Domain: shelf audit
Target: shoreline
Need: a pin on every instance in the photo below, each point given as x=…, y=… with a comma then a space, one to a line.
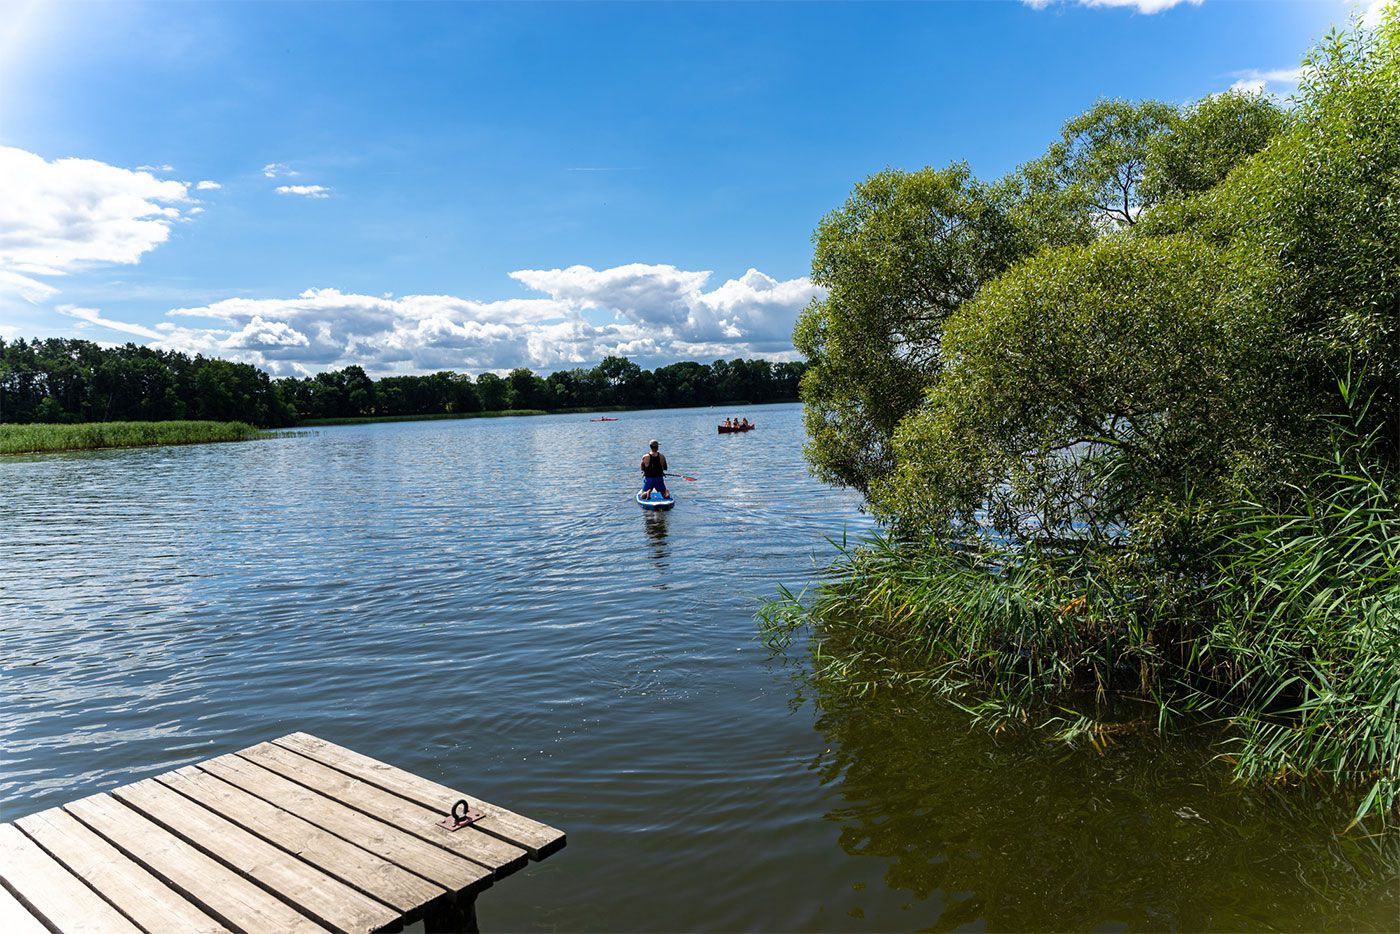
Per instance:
x=57, y=437
x=51, y=438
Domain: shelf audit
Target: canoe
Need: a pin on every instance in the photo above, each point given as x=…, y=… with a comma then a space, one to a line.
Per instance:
x=732, y=429
x=654, y=503
x=602, y=419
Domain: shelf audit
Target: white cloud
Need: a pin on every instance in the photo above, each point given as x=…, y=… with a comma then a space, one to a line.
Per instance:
x=207, y=185
x=659, y=313
x=1274, y=80
x=62, y=216
x=26, y=287
x=1142, y=6
x=1375, y=10
x=93, y=316
x=167, y=167
x=753, y=308
x=278, y=170
x=305, y=191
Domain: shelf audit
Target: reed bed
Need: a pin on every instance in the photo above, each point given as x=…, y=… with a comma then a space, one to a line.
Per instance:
x=43, y=437
x=1282, y=634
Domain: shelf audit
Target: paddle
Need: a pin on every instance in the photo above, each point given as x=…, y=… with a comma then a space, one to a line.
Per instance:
x=681, y=476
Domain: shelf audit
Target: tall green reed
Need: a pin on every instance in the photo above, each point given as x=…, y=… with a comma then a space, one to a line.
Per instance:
x=1282, y=628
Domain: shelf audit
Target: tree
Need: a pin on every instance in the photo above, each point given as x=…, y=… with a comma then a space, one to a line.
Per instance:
x=1103, y=154
x=901, y=255
x=1093, y=388
x=1192, y=360
x=529, y=391
x=618, y=374
x=495, y=393
x=1207, y=141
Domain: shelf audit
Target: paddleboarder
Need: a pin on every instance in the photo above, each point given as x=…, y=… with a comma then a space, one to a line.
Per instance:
x=654, y=471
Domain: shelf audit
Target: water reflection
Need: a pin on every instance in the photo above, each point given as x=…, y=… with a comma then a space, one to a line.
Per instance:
x=1016, y=834
x=655, y=522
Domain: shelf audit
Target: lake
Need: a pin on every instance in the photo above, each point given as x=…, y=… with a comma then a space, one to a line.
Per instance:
x=482, y=602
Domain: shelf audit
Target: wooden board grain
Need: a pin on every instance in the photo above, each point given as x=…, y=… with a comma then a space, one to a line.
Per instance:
x=223, y=893
x=295, y=881
x=143, y=898
x=298, y=833
x=538, y=839
x=53, y=893
x=501, y=857
x=454, y=873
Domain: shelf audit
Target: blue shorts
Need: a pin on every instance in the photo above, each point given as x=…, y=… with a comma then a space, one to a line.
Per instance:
x=653, y=483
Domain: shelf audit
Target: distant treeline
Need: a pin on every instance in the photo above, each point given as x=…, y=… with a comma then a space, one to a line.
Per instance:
x=62, y=380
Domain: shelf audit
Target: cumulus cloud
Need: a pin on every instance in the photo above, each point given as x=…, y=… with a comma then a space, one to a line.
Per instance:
x=754, y=308
x=1142, y=6
x=654, y=313
x=305, y=191
x=278, y=170
x=207, y=185
x=69, y=214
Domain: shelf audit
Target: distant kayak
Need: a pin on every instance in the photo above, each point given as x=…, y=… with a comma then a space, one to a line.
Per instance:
x=732, y=429
x=602, y=419
x=644, y=500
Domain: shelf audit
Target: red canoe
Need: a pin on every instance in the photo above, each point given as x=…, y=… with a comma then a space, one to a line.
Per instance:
x=731, y=429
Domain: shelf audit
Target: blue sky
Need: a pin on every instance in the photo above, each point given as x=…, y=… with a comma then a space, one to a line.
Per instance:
x=483, y=186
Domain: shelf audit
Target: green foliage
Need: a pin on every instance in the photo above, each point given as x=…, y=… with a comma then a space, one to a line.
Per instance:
x=59, y=380
x=1316, y=218
x=1289, y=634
x=66, y=381
x=1122, y=482
x=1090, y=384
x=36, y=438
x=1306, y=641
x=1206, y=141
x=903, y=253
x=1103, y=154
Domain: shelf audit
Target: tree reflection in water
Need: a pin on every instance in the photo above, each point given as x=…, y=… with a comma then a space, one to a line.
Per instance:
x=1014, y=833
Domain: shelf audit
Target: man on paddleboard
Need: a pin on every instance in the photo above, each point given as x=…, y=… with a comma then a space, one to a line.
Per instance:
x=654, y=471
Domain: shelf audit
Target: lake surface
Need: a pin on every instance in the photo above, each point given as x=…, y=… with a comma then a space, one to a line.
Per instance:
x=482, y=602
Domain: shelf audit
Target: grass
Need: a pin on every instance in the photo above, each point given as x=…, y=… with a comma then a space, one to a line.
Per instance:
x=39, y=438
x=1284, y=634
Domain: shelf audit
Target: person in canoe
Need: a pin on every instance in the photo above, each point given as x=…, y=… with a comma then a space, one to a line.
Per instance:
x=654, y=471
x=728, y=423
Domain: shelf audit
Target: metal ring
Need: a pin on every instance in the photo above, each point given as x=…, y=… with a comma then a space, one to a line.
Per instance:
x=465, y=809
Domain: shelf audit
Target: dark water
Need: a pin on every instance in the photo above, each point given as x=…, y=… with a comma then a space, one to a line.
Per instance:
x=482, y=602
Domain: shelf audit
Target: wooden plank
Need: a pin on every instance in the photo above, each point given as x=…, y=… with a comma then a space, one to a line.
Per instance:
x=50, y=891
x=17, y=919
x=226, y=895
x=140, y=896
x=356, y=867
x=448, y=870
x=539, y=840
x=296, y=882
x=497, y=855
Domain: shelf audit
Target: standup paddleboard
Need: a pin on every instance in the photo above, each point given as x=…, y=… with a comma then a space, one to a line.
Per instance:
x=654, y=503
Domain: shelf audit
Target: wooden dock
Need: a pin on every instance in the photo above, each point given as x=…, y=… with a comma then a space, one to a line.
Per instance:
x=297, y=834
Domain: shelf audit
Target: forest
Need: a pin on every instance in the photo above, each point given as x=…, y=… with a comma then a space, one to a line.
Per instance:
x=60, y=380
